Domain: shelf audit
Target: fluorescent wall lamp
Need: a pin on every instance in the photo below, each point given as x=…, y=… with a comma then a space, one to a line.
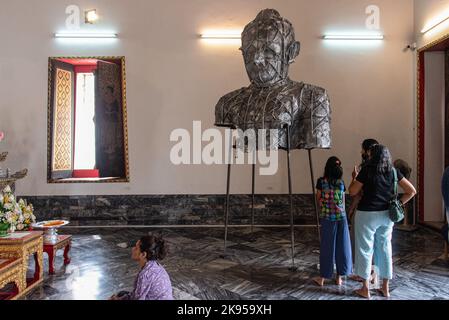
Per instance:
x=354, y=37
x=220, y=36
x=434, y=25
x=86, y=35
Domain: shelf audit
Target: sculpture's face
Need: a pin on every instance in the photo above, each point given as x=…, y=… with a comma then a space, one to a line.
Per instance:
x=264, y=55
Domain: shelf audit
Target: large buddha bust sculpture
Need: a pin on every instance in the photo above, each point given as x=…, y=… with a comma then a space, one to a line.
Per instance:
x=273, y=101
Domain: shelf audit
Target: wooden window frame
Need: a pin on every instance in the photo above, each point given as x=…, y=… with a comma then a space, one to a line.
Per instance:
x=51, y=180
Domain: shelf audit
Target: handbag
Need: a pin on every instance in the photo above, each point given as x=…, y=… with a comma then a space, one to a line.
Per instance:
x=396, y=209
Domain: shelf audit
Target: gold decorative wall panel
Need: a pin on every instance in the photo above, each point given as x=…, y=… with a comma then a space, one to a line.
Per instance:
x=62, y=140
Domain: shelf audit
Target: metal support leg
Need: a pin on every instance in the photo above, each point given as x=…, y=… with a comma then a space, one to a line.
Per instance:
x=315, y=204
x=290, y=192
x=228, y=186
x=253, y=197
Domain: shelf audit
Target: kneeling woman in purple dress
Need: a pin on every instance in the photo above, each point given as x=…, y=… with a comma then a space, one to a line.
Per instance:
x=153, y=282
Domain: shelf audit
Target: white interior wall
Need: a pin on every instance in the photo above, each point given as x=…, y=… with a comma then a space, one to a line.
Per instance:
x=173, y=78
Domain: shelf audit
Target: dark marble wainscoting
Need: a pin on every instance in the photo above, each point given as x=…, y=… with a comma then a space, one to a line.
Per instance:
x=172, y=209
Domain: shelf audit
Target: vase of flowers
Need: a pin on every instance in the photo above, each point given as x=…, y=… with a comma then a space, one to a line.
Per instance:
x=28, y=218
x=18, y=215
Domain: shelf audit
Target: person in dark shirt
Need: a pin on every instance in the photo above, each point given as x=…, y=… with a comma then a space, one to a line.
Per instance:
x=367, y=144
x=373, y=227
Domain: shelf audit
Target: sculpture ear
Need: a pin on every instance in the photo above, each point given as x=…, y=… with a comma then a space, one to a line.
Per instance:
x=293, y=51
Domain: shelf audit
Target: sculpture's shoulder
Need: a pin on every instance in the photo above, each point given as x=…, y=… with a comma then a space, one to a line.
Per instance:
x=311, y=96
x=232, y=96
x=309, y=89
x=313, y=130
x=228, y=106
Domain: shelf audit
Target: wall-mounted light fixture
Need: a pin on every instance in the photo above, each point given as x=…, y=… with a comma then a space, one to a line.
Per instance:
x=354, y=37
x=221, y=34
x=91, y=16
x=434, y=24
x=222, y=37
x=86, y=35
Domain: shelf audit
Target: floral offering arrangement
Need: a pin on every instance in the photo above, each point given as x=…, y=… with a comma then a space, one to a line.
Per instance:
x=19, y=215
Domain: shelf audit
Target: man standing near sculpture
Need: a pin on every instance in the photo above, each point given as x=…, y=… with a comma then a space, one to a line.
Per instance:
x=299, y=111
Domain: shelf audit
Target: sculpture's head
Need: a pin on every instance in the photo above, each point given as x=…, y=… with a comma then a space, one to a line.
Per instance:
x=269, y=47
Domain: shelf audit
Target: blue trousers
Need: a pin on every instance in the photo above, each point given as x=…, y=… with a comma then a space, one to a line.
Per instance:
x=373, y=231
x=335, y=248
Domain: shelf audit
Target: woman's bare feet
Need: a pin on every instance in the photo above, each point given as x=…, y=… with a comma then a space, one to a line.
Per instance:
x=385, y=290
x=319, y=281
x=383, y=293
x=364, y=291
x=339, y=281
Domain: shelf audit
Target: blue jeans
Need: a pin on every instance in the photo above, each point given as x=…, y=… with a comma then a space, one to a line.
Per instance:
x=373, y=231
x=335, y=248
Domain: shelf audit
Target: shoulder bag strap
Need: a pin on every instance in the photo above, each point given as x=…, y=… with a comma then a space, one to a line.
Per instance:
x=395, y=183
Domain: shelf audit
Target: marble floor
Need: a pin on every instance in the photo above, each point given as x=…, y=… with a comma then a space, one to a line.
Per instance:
x=256, y=267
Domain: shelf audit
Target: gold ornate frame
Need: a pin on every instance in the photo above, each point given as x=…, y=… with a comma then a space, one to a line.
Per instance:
x=419, y=125
x=125, y=120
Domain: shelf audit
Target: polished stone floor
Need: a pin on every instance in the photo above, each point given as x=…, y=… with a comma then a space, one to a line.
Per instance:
x=256, y=267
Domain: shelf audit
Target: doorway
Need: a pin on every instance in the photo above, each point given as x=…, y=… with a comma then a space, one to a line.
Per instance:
x=433, y=130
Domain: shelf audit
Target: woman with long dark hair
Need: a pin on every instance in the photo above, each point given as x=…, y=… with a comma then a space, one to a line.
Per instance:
x=373, y=226
x=153, y=282
x=335, y=248
x=367, y=144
